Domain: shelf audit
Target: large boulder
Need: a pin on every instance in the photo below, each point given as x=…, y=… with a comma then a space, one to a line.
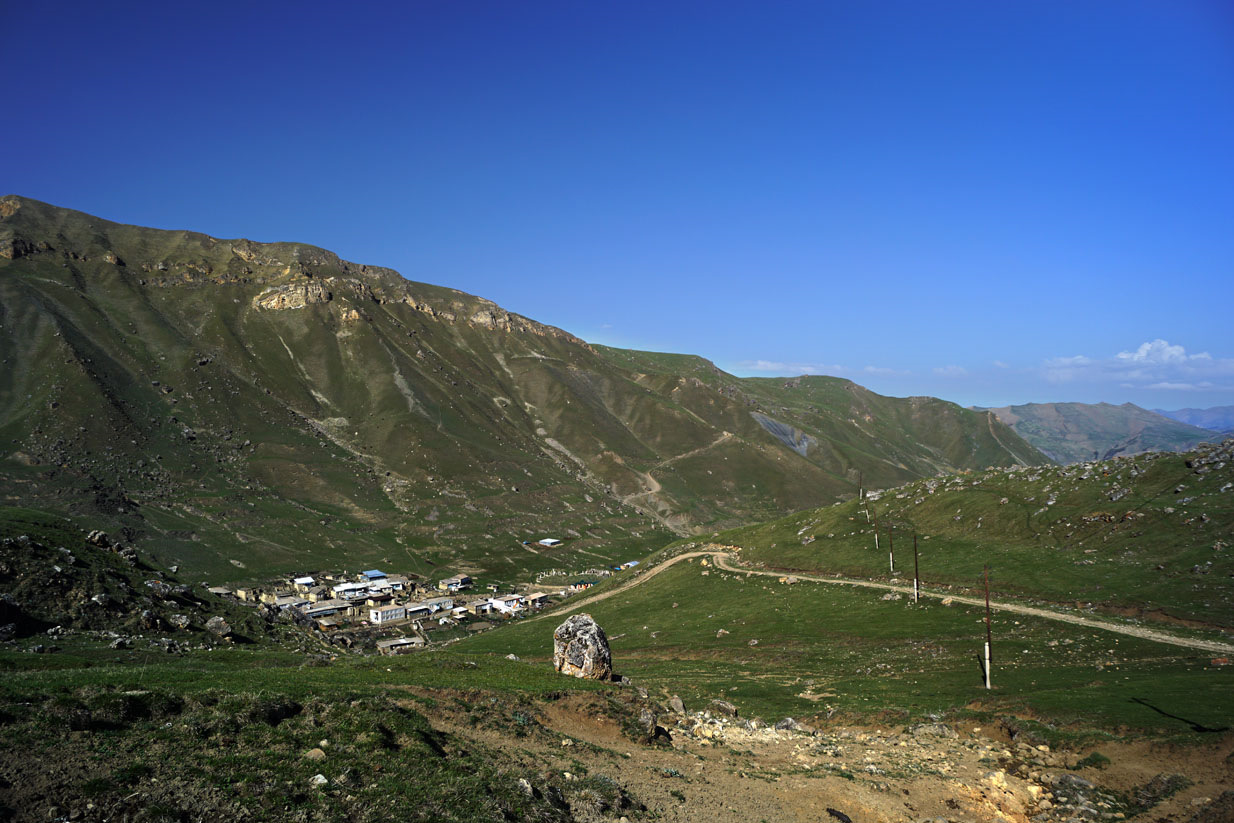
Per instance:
x=580, y=648
x=219, y=626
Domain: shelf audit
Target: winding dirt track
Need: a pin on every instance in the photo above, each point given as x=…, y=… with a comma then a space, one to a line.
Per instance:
x=723, y=557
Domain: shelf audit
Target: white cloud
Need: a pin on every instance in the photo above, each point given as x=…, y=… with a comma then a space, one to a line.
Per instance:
x=1181, y=386
x=1160, y=352
x=998, y=364
x=951, y=371
x=780, y=368
x=1156, y=364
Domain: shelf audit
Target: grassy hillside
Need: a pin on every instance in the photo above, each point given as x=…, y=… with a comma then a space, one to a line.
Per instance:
x=1141, y=540
x=1074, y=432
x=1147, y=535
x=820, y=653
x=243, y=409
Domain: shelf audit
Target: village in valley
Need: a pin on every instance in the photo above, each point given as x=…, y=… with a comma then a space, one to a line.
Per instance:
x=396, y=613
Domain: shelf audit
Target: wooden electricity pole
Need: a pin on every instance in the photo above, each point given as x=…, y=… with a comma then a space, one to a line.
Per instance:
x=988, y=635
x=875, y=511
x=916, y=570
x=892, y=547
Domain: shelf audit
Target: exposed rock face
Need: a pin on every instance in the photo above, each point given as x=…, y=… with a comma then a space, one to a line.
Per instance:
x=292, y=296
x=580, y=648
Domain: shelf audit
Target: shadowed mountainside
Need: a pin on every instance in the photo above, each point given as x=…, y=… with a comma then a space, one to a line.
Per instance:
x=246, y=408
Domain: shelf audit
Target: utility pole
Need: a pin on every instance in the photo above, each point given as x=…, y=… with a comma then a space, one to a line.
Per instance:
x=916, y=569
x=861, y=486
x=988, y=636
x=892, y=547
x=871, y=508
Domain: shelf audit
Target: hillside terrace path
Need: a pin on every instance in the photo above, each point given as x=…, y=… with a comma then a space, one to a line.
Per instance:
x=722, y=556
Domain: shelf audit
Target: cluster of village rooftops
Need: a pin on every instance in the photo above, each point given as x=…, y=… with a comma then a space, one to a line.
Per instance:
x=375, y=598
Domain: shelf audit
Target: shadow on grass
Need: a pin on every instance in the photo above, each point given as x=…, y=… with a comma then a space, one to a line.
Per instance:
x=1195, y=727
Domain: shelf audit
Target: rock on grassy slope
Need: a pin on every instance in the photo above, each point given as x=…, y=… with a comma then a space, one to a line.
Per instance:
x=269, y=404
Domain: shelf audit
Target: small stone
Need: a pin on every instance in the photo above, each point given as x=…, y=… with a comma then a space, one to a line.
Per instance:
x=315, y=754
x=318, y=780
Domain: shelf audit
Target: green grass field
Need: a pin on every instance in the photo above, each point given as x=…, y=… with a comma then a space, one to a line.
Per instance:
x=831, y=651
x=1164, y=544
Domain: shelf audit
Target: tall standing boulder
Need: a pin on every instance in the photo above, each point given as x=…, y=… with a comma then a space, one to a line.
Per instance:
x=580, y=648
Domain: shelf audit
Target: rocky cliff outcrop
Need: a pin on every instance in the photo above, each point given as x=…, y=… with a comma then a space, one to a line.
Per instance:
x=292, y=296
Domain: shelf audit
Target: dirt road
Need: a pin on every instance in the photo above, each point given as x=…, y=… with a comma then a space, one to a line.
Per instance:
x=723, y=558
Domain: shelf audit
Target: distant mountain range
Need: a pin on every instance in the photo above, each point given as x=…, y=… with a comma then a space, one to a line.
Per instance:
x=1075, y=432
x=244, y=408
x=1218, y=418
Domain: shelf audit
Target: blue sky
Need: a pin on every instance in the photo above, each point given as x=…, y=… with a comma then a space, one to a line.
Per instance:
x=991, y=202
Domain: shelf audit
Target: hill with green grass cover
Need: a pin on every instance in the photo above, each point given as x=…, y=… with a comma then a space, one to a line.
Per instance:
x=1143, y=542
x=245, y=409
x=1074, y=432
x=1150, y=535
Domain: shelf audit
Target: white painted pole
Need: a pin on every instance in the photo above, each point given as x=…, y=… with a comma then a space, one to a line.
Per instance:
x=876, y=540
x=987, y=665
x=891, y=561
x=914, y=590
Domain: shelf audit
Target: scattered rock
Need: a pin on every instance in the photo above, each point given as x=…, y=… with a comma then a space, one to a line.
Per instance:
x=179, y=621
x=315, y=754
x=219, y=626
x=931, y=730
x=724, y=708
x=676, y=705
x=580, y=649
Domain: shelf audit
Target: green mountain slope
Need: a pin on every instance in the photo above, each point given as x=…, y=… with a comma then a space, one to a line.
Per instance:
x=1072, y=432
x=1148, y=535
x=246, y=408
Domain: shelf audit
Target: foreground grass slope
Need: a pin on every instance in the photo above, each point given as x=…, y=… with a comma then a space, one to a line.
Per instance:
x=819, y=652
x=1137, y=539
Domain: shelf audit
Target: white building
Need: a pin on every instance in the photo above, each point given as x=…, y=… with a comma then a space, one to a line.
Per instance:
x=385, y=614
x=350, y=591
